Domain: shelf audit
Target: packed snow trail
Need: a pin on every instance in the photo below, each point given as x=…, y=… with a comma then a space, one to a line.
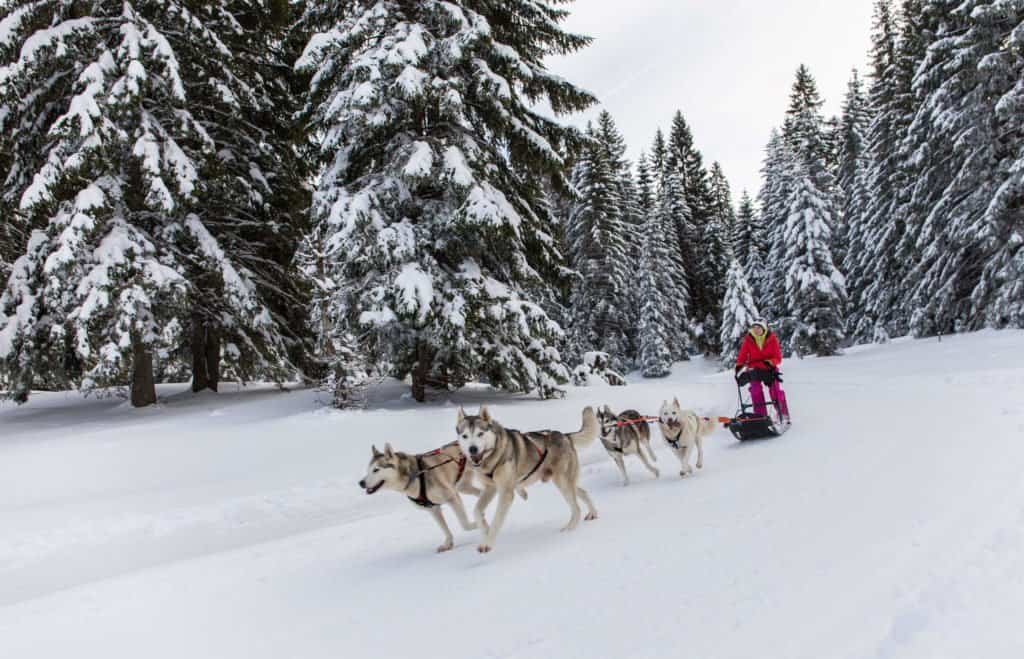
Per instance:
x=889, y=522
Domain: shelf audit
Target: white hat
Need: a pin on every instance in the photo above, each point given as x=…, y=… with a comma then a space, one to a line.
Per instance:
x=762, y=322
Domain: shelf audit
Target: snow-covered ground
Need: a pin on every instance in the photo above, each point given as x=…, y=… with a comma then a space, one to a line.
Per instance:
x=888, y=523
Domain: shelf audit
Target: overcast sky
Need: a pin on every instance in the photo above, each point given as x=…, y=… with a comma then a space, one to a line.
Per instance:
x=727, y=64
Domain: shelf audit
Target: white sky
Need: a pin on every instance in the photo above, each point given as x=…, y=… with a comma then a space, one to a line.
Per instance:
x=727, y=64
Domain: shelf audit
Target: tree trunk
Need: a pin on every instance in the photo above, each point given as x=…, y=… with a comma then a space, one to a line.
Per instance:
x=421, y=371
x=143, y=382
x=205, y=356
x=200, y=380
x=212, y=357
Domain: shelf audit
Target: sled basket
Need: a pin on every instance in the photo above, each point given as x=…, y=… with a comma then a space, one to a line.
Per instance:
x=751, y=426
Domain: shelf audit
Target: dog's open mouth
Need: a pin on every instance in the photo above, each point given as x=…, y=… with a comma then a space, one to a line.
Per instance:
x=371, y=490
x=672, y=423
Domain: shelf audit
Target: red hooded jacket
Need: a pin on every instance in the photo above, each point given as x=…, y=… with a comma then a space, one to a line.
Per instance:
x=753, y=356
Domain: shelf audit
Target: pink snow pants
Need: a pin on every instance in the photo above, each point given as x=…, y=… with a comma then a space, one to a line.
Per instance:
x=777, y=394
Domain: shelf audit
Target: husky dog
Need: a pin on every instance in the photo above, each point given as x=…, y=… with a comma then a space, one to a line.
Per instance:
x=682, y=430
x=626, y=434
x=506, y=460
x=428, y=480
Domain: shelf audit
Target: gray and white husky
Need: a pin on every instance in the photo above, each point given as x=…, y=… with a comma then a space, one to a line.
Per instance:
x=626, y=434
x=505, y=460
x=429, y=480
x=682, y=430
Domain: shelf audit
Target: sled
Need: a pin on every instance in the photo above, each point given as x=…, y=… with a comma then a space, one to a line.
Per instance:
x=747, y=425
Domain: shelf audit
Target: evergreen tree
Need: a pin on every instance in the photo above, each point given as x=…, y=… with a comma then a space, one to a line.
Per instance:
x=119, y=240
x=673, y=212
x=998, y=299
x=442, y=252
x=815, y=290
x=598, y=233
x=715, y=242
x=874, y=233
x=704, y=279
x=738, y=312
x=954, y=138
x=851, y=165
x=746, y=241
x=777, y=185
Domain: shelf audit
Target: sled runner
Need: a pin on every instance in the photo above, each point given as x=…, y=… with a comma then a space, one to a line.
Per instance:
x=748, y=425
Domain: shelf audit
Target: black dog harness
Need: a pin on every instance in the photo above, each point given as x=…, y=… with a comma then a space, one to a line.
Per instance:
x=422, y=500
x=543, y=456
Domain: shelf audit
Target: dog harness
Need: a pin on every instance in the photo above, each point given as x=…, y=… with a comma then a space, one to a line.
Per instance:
x=542, y=452
x=422, y=500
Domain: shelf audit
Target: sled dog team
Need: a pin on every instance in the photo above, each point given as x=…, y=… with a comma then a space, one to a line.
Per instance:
x=505, y=462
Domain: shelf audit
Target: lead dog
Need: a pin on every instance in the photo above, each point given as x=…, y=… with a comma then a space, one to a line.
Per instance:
x=506, y=459
x=626, y=434
x=682, y=430
x=429, y=480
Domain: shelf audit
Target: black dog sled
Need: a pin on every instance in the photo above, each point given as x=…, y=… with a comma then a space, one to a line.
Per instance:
x=748, y=425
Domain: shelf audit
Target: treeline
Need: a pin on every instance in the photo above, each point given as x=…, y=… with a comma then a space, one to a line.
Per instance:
x=903, y=215
x=265, y=189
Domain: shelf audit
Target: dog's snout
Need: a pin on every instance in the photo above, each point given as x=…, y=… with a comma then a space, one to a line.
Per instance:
x=473, y=450
x=362, y=483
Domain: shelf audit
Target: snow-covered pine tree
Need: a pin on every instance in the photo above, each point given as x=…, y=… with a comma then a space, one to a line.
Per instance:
x=852, y=159
x=769, y=281
x=429, y=204
x=873, y=234
x=742, y=241
x=716, y=248
x=954, y=137
x=672, y=212
x=739, y=311
x=101, y=287
x=998, y=300
x=255, y=195
x=704, y=272
x=597, y=241
x=815, y=290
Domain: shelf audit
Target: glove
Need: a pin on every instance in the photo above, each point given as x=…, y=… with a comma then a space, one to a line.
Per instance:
x=770, y=366
x=743, y=378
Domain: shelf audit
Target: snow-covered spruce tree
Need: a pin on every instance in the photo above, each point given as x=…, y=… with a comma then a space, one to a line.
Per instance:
x=254, y=194
x=658, y=330
x=441, y=254
x=106, y=281
x=597, y=235
x=769, y=280
x=703, y=266
x=671, y=213
x=850, y=168
x=998, y=299
x=955, y=135
x=739, y=311
x=872, y=263
x=715, y=250
x=744, y=233
x=815, y=290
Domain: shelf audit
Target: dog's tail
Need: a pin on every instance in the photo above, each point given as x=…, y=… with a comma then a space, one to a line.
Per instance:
x=588, y=433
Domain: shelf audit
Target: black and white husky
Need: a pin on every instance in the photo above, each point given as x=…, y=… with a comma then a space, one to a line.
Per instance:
x=626, y=434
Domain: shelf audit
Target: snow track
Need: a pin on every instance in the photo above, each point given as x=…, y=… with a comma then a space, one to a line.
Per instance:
x=888, y=523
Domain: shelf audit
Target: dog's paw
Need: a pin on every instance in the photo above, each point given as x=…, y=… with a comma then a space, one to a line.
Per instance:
x=657, y=474
x=571, y=526
x=625, y=483
x=590, y=516
x=523, y=494
x=445, y=547
x=483, y=549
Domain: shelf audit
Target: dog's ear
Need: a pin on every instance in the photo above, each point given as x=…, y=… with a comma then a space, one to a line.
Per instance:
x=376, y=453
x=676, y=401
x=462, y=415
x=484, y=414
x=388, y=451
